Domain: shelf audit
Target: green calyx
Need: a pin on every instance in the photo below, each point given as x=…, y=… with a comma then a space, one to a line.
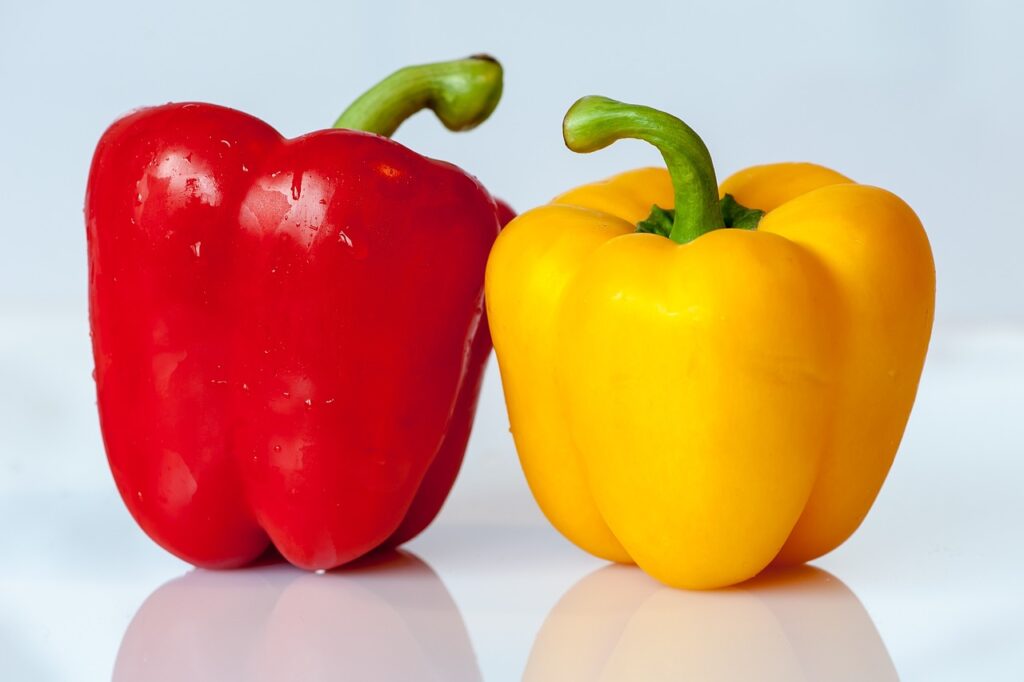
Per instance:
x=734, y=215
x=593, y=123
x=462, y=93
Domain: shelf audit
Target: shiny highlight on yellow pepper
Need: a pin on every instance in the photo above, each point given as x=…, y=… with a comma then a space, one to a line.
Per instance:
x=697, y=398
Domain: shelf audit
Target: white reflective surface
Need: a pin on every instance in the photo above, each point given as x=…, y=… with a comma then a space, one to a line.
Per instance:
x=928, y=589
x=391, y=618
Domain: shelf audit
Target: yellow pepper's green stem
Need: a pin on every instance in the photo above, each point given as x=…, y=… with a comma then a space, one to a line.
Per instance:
x=593, y=123
x=462, y=93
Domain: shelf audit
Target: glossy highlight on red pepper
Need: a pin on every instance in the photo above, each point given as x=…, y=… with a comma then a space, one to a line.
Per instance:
x=289, y=334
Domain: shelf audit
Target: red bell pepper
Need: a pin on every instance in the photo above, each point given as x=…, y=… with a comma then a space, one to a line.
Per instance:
x=288, y=333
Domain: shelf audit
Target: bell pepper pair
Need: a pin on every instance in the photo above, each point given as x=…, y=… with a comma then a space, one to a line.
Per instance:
x=289, y=336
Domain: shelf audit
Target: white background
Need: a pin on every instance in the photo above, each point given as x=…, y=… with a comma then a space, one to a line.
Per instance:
x=920, y=97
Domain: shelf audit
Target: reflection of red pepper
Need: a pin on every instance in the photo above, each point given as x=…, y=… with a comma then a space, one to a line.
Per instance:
x=288, y=334
x=385, y=617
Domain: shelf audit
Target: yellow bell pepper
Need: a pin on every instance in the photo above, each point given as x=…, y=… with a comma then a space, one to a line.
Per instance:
x=720, y=386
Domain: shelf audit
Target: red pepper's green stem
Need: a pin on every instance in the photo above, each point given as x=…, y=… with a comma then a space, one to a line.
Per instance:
x=462, y=93
x=593, y=123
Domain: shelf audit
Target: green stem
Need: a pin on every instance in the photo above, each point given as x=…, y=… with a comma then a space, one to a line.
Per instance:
x=593, y=123
x=462, y=93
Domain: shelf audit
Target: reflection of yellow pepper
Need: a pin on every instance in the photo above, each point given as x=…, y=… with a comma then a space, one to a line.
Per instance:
x=708, y=403
x=799, y=625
